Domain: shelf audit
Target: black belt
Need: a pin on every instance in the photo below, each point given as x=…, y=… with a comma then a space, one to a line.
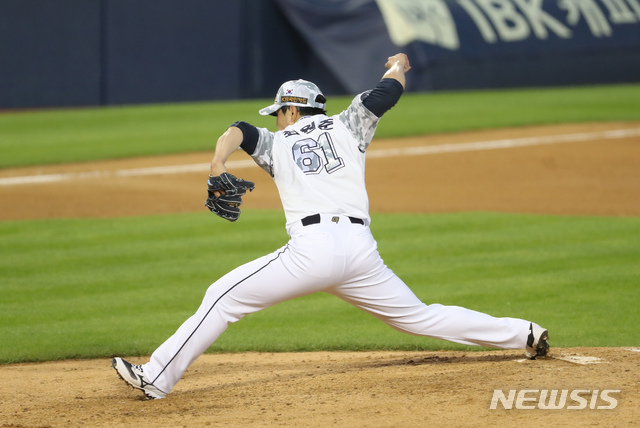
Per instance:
x=315, y=219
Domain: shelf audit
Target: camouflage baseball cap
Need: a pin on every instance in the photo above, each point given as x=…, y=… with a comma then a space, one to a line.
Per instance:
x=300, y=93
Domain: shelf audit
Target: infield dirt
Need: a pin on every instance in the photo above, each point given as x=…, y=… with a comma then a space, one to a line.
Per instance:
x=372, y=389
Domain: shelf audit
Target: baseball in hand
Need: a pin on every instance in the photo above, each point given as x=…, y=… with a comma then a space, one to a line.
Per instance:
x=400, y=59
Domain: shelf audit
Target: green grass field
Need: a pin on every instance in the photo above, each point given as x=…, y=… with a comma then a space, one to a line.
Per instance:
x=96, y=288
x=58, y=136
x=84, y=288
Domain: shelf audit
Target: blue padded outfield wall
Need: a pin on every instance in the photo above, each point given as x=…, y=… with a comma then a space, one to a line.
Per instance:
x=110, y=52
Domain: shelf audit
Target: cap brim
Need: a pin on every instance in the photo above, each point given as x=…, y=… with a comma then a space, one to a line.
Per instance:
x=270, y=110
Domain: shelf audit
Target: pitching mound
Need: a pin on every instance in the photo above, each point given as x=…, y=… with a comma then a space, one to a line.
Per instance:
x=370, y=389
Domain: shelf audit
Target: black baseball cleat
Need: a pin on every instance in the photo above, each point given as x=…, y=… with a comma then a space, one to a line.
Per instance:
x=133, y=375
x=537, y=342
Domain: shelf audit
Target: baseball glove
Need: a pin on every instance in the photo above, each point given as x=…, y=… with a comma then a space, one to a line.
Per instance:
x=231, y=190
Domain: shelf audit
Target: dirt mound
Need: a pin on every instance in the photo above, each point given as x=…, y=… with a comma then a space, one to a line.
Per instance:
x=319, y=389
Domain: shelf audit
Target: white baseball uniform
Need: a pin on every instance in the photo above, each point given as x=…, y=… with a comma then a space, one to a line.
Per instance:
x=318, y=165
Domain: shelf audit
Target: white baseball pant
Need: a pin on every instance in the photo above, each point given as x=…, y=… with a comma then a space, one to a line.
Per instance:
x=340, y=258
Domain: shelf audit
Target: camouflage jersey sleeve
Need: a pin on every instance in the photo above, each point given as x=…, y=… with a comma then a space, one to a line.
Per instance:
x=262, y=155
x=362, y=116
x=258, y=143
x=360, y=121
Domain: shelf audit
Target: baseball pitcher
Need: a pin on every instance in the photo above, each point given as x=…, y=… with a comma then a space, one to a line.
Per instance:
x=318, y=164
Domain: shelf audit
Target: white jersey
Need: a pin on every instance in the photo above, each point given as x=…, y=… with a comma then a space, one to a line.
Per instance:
x=318, y=163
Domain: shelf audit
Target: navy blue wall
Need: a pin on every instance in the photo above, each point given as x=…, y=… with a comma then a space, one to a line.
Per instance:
x=107, y=52
x=167, y=50
x=104, y=52
x=50, y=53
